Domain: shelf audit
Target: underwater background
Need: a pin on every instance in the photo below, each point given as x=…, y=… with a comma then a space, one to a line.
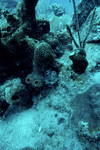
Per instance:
x=50, y=75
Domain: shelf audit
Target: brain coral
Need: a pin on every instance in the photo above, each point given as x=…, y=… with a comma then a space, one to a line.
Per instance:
x=43, y=55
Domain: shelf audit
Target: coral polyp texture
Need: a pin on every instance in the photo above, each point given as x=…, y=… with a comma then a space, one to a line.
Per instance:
x=43, y=55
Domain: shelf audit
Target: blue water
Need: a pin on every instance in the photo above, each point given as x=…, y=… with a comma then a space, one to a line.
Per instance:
x=65, y=3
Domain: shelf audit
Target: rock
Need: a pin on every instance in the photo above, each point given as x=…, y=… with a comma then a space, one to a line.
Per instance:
x=65, y=40
x=15, y=93
x=3, y=107
x=86, y=108
x=27, y=10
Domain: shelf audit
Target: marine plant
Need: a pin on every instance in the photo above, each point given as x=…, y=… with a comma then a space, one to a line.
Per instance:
x=82, y=43
x=80, y=62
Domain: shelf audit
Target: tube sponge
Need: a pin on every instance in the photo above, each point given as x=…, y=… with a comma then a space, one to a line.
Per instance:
x=35, y=80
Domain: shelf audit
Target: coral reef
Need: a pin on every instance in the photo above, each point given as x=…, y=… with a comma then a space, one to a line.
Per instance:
x=50, y=78
x=86, y=106
x=16, y=50
x=88, y=103
x=43, y=56
x=9, y=3
x=44, y=103
x=65, y=40
x=83, y=10
x=27, y=148
x=14, y=92
x=58, y=9
x=83, y=132
x=35, y=81
x=27, y=11
x=26, y=53
x=3, y=107
x=94, y=36
x=51, y=40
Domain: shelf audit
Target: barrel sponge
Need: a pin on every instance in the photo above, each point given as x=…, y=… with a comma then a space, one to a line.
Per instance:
x=16, y=93
x=43, y=55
